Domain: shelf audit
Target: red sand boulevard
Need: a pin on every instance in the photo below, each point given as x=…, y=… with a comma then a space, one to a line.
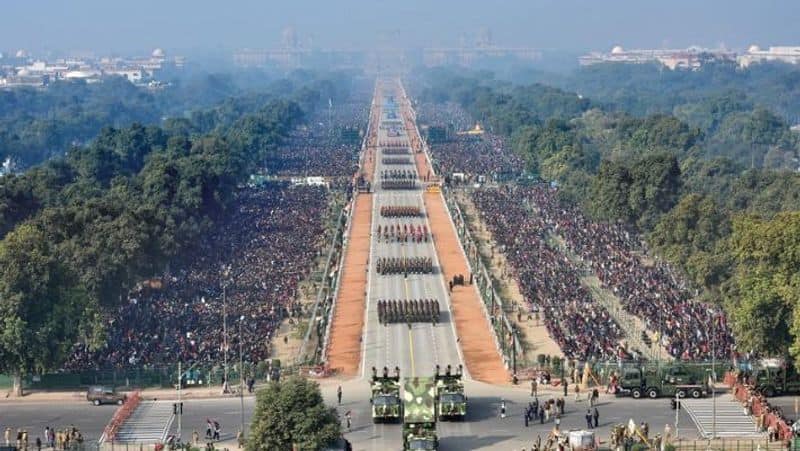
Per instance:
x=475, y=335
x=344, y=353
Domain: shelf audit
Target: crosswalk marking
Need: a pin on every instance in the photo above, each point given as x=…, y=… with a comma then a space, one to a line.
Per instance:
x=731, y=420
x=150, y=423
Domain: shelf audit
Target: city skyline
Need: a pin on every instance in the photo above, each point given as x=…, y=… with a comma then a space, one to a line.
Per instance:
x=92, y=26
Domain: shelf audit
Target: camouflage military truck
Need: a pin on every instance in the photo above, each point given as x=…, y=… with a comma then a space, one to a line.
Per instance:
x=385, y=397
x=419, y=414
x=451, y=403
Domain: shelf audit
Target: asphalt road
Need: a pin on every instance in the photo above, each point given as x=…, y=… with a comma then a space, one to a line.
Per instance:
x=417, y=350
x=483, y=427
x=91, y=420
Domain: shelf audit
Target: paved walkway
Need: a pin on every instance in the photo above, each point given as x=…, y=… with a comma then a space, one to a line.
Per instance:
x=731, y=420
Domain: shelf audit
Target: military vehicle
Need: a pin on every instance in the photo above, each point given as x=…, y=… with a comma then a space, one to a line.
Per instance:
x=419, y=414
x=664, y=380
x=774, y=377
x=451, y=403
x=385, y=396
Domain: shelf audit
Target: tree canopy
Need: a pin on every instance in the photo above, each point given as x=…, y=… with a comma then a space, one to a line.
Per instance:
x=292, y=413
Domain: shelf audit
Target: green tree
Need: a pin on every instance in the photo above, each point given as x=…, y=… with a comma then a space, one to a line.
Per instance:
x=694, y=234
x=292, y=413
x=767, y=290
x=42, y=310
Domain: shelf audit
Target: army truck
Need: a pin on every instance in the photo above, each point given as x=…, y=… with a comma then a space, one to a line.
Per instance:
x=773, y=377
x=451, y=403
x=419, y=414
x=665, y=380
x=385, y=396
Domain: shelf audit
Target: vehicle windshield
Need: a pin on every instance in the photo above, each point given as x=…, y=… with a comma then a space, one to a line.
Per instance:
x=420, y=444
x=452, y=397
x=385, y=401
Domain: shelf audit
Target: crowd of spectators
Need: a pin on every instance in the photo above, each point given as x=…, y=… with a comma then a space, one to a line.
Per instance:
x=321, y=147
x=649, y=289
x=260, y=254
x=476, y=155
x=548, y=281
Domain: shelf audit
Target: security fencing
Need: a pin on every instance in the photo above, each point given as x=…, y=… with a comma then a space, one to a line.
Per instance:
x=155, y=376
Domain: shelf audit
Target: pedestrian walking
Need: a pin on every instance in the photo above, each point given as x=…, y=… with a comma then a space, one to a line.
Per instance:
x=209, y=429
x=348, y=421
x=533, y=388
x=541, y=414
x=589, y=419
x=527, y=416
x=217, y=430
x=596, y=417
x=339, y=394
x=195, y=437
x=577, y=393
x=502, y=408
x=38, y=444
x=558, y=422
x=8, y=436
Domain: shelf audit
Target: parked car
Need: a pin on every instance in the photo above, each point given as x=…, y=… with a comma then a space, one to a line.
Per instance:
x=100, y=394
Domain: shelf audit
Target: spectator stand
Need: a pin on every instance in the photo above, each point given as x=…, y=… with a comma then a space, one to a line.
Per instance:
x=506, y=336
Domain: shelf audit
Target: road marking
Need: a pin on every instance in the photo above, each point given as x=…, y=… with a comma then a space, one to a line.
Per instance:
x=410, y=337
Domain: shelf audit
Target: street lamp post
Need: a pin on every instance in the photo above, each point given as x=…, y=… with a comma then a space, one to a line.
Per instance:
x=241, y=373
x=225, y=337
x=713, y=376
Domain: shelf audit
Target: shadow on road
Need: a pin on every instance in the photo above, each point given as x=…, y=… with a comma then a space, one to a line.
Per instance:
x=471, y=441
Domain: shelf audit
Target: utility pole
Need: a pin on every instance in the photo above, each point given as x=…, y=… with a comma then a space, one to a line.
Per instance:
x=241, y=373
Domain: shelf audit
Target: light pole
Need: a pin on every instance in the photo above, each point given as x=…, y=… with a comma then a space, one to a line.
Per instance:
x=225, y=273
x=713, y=376
x=241, y=373
x=224, y=337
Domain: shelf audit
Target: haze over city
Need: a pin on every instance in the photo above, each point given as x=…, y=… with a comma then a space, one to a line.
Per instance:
x=202, y=27
x=446, y=225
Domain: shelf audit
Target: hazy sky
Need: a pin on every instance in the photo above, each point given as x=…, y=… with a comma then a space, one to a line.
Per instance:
x=198, y=26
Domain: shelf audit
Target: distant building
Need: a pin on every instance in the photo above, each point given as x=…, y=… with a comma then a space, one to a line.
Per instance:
x=691, y=58
x=483, y=48
x=784, y=54
x=24, y=70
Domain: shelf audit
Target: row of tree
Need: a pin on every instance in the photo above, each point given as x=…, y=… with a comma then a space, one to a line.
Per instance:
x=80, y=230
x=730, y=224
x=38, y=124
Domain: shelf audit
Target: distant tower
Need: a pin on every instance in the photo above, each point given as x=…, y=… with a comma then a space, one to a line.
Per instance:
x=484, y=37
x=289, y=38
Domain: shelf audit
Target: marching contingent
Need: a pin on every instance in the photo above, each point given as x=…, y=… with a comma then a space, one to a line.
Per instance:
x=396, y=233
x=408, y=311
x=400, y=211
x=404, y=265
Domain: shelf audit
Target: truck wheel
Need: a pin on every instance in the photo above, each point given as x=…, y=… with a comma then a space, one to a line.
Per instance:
x=681, y=393
x=96, y=402
x=696, y=394
x=652, y=393
x=769, y=392
x=636, y=393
